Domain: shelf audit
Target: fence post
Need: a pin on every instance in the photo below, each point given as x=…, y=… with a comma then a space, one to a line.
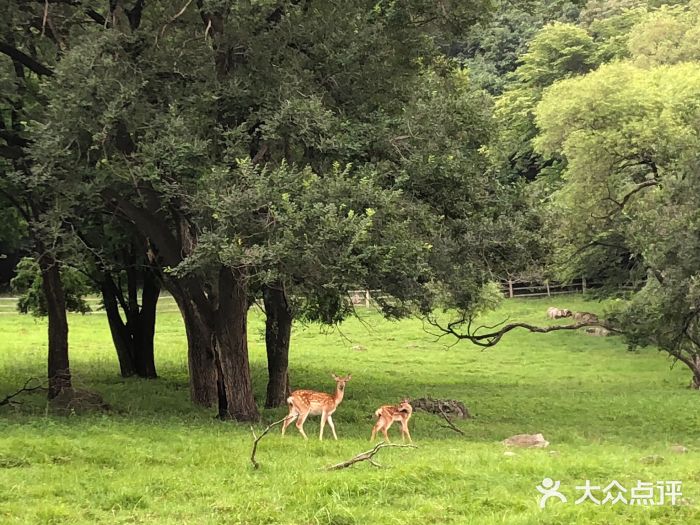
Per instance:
x=546, y=283
x=366, y=298
x=583, y=285
x=510, y=288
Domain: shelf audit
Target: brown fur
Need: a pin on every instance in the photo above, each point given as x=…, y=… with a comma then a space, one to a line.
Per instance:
x=387, y=414
x=557, y=313
x=303, y=403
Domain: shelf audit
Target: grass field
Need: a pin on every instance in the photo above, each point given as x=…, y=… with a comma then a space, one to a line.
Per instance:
x=157, y=459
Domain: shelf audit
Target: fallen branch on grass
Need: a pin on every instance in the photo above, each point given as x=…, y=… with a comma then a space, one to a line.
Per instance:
x=269, y=427
x=25, y=388
x=366, y=456
x=450, y=424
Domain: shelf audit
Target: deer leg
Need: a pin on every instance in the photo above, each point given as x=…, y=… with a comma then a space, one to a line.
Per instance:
x=376, y=427
x=386, y=428
x=330, y=424
x=300, y=424
x=288, y=420
x=324, y=416
x=379, y=425
x=404, y=431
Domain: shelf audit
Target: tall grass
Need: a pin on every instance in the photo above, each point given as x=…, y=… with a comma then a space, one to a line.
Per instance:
x=157, y=459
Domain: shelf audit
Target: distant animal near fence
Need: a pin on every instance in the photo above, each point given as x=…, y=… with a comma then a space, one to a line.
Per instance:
x=363, y=297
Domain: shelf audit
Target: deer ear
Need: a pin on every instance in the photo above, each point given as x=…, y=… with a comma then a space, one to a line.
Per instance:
x=334, y=376
x=349, y=377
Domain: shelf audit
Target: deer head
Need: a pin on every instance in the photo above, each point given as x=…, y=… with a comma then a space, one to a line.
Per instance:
x=340, y=381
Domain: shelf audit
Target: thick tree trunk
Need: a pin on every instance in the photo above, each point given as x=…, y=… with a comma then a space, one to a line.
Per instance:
x=216, y=330
x=58, y=365
x=234, y=385
x=200, y=344
x=278, y=330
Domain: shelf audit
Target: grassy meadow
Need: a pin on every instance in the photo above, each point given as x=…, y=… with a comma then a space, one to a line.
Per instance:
x=157, y=459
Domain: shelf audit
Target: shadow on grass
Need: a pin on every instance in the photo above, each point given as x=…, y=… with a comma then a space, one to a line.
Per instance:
x=566, y=412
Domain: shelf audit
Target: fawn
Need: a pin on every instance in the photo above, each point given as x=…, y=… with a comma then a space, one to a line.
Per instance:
x=387, y=414
x=303, y=403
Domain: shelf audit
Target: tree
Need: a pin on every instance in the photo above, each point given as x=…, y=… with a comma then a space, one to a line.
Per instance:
x=28, y=282
x=628, y=208
x=492, y=51
x=624, y=205
x=143, y=108
x=34, y=38
x=27, y=194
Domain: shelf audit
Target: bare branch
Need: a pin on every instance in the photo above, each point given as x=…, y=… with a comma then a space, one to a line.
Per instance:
x=25, y=388
x=492, y=338
x=257, y=439
x=366, y=456
x=173, y=18
x=46, y=16
x=450, y=424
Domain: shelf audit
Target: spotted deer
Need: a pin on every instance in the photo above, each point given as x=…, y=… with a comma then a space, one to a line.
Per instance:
x=387, y=414
x=303, y=403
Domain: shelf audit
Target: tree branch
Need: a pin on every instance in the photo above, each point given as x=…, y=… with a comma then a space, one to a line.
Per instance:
x=492, y=338
x=94, y=15
x=366, y=456
x=24, y=59
x=450, y=424
x=175, y=17
x=639, y=187
x=134, y=14
x=269, y=427
x=25, y=388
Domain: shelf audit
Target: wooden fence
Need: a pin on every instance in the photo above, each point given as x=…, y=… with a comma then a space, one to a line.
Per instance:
x=510, y=288
x=518, y=288
x=363, y=298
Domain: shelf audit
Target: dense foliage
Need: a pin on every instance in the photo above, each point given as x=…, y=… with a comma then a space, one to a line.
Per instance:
x=234, y=152
x=627, y=208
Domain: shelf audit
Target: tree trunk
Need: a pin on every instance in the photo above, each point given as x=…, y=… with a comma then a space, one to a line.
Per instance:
x=120, y=335
x=133, y=339
x=694, y=366
x=144, y=332
x=200, y=344
x=216, y=330
x=234, y=385
x=278, y=330
x=58, y=365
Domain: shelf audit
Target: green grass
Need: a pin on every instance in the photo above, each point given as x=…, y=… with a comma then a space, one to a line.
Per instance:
x=157, y=459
